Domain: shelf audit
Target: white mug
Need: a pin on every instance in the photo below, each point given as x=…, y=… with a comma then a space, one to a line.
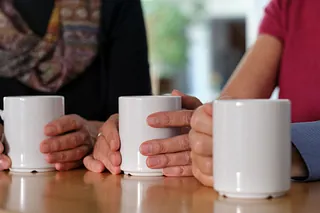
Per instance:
x=252, y=148
x=24, y=120
x=134, y=130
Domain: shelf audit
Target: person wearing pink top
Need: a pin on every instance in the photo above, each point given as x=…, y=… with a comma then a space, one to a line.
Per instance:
x=286, y=54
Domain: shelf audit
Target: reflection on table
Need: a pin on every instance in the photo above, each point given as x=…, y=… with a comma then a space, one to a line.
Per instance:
x=82, y=191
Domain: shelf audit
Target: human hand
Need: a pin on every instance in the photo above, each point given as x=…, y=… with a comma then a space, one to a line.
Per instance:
x=71, y=139
x=171, y=154
x=106, y=152
x=5, y=161
x=201, y=143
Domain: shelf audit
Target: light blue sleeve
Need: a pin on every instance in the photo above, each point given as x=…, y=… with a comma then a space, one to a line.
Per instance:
x=306, y=138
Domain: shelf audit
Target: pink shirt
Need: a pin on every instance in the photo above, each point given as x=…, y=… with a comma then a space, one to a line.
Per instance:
x=297, y=24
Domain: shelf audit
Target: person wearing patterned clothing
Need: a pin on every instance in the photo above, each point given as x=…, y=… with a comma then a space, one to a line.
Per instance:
x=89, y=51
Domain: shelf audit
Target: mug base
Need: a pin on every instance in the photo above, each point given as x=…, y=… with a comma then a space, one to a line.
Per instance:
x=143, y=174
x=252, y=195
x=31, y=170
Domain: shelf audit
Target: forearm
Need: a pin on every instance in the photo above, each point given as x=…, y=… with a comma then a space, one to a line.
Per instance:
x=94, y=128
x=306, y=151
x=256, y=75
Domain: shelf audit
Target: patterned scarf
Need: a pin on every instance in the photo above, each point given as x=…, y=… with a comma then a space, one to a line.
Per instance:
x=48, y=63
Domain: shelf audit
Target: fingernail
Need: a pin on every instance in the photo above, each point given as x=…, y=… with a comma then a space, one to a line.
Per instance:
x=177, y=91
x=152, y=162
x=153, y=121
x=50, y=130
x=146, y=149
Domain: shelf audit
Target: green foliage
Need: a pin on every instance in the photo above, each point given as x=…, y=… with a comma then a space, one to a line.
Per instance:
x=166, y=27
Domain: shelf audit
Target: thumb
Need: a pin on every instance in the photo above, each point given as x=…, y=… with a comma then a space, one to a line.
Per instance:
x=188, y=102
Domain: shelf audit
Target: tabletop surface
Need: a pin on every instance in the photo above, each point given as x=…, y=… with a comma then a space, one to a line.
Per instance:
x=82, y=191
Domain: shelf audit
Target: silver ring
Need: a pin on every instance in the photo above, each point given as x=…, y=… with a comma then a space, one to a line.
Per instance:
x=99, y=134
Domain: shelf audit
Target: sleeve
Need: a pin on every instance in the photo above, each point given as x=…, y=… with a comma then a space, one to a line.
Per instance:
x=274, y=21
x=306, y=138
x=127, y=53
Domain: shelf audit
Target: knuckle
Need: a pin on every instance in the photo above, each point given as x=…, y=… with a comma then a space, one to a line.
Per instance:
x=73, y=123
x=81, y=152
x=160, y=148
x=192, y=138
x=166, y=160
x=197, y=146
x=63, y=156
x=193, y=120
x=187, y=158
x=56, y=144
x=180, y=170
x=166, y=119
x=187, y=118
x=208, y=167
x=73, y=140
x=184, y=142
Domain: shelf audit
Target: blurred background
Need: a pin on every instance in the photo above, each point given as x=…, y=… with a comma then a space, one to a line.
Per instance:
x=195, y=45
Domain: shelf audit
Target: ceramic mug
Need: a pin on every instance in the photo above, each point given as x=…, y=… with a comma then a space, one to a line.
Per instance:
x=134, y=130
x=252, y=148
x=24, y=120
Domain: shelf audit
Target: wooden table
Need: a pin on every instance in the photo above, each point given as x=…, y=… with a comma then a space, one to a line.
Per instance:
x=82, y=191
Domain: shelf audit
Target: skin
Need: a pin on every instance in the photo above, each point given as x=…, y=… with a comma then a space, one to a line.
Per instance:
x=255, y=77
x=172, y=154
x=70, y=139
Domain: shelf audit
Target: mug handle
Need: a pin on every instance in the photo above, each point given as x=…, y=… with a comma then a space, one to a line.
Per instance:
x=1, y=114
x=2, y=118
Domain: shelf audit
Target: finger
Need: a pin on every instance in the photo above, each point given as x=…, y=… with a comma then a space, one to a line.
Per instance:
x=64, y=142
x=201, y=121
x=93, y=165
x=68, y=166
x=162, y=146
x=204, y=164
x=68, y=155
x=204, y=179
x=208, y=108
x=5, y=162
x=169, y=160
x=200, y=144
x=188, y=102
x=1, y=148
x=179, y=118
x=62, y=125
x=178, y=171
x=110, y=132
x=103, y=153
x=112, y=169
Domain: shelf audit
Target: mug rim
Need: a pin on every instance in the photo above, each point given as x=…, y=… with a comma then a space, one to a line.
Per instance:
x=254, y=100
x=140, y=97
x=33, y=97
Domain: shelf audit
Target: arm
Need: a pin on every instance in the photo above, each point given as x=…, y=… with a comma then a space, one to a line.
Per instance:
x=306, y=159
x=127, y=53
x=256, y=77
x=256, y=74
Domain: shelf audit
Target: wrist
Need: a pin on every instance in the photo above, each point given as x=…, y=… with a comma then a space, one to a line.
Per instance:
x=298, y=168
x=93, y=128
